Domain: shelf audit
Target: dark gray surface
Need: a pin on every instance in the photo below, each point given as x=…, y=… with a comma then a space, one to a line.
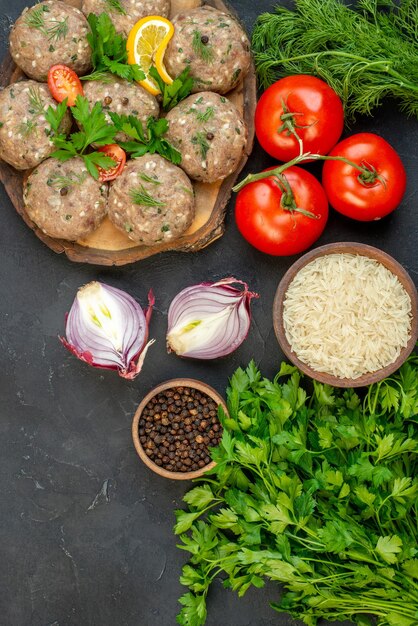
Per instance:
x=85, y=528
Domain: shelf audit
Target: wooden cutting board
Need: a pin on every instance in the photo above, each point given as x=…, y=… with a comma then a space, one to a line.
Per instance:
x=109, y=246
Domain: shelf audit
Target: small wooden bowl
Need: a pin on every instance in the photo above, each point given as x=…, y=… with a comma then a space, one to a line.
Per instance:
x=349, y=248
x=169, y=384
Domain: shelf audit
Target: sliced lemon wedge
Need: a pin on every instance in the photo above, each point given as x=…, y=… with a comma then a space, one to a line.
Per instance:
x=146, y=45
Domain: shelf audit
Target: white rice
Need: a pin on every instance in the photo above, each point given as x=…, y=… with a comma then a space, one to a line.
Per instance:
x=346, y=315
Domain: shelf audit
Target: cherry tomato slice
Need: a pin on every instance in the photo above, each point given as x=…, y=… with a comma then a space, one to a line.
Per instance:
x=63, y=83
x=116, y=153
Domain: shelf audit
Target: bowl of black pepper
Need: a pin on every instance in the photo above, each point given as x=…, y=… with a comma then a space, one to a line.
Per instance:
x=175, y=426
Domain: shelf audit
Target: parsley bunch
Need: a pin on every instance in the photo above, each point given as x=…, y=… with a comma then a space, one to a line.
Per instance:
x=180, y=88
x=318, y=493
x=149, y=141
x=109, y=51
x=94, y=130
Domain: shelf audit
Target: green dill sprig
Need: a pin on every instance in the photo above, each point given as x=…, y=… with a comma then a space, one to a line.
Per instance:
x=201, y=47
x=115, y=5
x=140, y=195
x=36, y=19
x=205, y=116
x=27, y=128
x=199, y=139
x=149, y=179
x=36, y=104
x=59, y=181
x=58, y=30
x=365, y=54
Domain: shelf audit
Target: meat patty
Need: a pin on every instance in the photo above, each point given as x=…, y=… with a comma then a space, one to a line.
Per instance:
x=210, y=133
x=121, y=96
x=125, y=13
x=64, y=200
x=214, y=46
x=24, y=141
x=152, y=200
x=49, y=33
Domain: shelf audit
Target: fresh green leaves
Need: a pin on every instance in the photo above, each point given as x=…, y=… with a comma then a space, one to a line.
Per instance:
x=150, y=140
x=94, y=129
x=53, y=29
x=180, y=88
x=365, y=55
x=318, y=493
x=109, y=51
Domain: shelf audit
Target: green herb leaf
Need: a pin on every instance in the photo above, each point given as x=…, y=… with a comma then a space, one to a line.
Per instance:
x=389, y=547
x=115, y=5
x=141, y=196
x=109, y=53
x=146, y=141
x=201, y=47
x=180, y=88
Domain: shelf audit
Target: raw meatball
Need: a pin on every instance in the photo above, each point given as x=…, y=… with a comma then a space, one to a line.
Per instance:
x=210, y=133
x=24, y=142
x=47, y=34
x=132, y=11
x=64, y=200
x=213, y=44
x=123, y=97
x=152, y=200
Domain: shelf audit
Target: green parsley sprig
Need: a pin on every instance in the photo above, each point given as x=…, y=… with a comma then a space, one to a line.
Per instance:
x=318, y=494
x=180, y=88
x=109, y=51
x=94, y=130
x=150, y=140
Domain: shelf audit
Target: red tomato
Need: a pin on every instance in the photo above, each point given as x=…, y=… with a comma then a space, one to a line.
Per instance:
x=63, y=83
x=306, y=104
x=265, y=222
x=116, y=153
x=357, y=198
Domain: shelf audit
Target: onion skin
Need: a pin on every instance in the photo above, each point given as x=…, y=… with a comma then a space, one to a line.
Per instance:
x=90, y=341
x=209, y=320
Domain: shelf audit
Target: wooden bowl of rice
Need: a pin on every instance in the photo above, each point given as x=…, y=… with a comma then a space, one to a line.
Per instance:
x=346, y=314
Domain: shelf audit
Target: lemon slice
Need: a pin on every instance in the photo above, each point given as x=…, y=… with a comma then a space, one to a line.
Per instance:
x=146, y=45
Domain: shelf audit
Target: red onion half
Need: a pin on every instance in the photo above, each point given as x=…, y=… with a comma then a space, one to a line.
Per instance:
x=209, y=320
x=107, y=328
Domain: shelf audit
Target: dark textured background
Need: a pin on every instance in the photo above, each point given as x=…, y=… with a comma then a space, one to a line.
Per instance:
x=85, y=529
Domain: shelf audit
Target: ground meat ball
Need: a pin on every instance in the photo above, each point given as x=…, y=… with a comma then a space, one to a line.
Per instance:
x=213, y=44
x=210, y=133
x=64, y=200
x=134, y=11
x=23, y=139
x=47, y=34
x=123, y=97
x=164, y=205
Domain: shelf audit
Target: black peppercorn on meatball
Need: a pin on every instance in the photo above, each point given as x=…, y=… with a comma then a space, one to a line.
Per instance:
x=24, y=139
x=64, y=200
x=47, y=34
x=125, y=13
x=210, y=133
x=152, y=201
x=214, y=46
x=121, y=96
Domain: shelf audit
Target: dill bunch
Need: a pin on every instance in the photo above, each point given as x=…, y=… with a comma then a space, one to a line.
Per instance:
x=365, y=54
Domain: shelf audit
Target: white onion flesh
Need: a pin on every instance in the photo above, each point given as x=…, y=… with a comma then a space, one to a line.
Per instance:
x=209, y=320
x=107, y=328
